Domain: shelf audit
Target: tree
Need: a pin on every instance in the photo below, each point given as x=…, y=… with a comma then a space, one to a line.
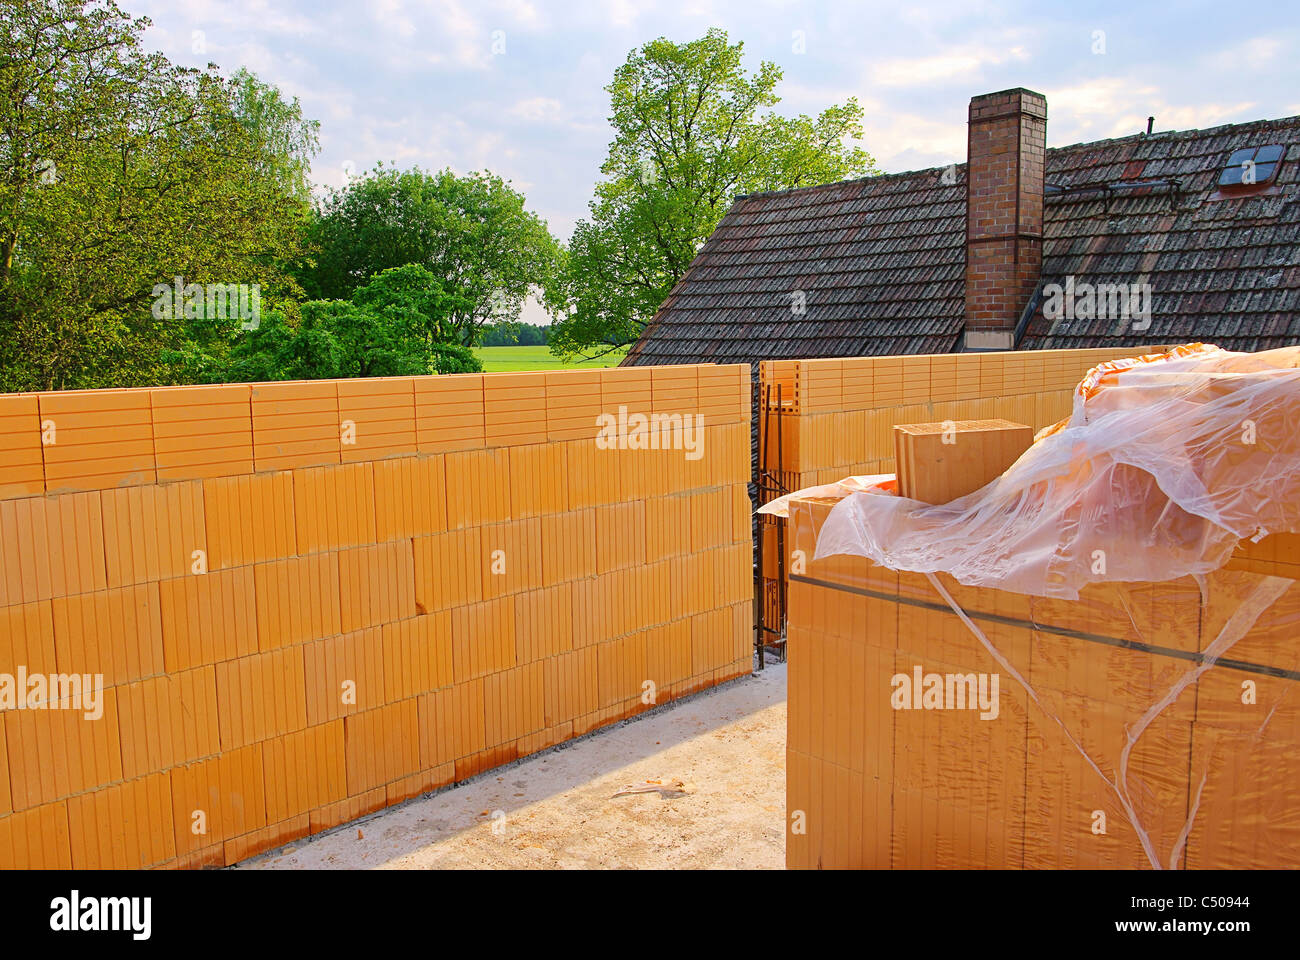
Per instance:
x=120, y=171
x=514, y=334
x=472, y=233
x=416, y=300
x=693, y=130
x=291, y=140
x=396, y=325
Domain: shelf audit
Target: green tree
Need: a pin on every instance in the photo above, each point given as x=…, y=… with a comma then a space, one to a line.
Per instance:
x=514, y=334
x=532, y=335
x=118, y=172
x=290, y=139
x=473, y=233
x=396, y=325
x=416, y=300
x=693, y=130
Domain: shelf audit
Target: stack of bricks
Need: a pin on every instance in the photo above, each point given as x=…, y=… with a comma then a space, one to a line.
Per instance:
x=310, y=600
x=835, y=417
x=879, y=778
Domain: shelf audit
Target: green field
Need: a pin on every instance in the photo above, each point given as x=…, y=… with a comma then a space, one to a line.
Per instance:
x=508, y=359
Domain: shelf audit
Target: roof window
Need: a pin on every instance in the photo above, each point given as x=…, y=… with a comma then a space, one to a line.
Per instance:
x=1251, y=167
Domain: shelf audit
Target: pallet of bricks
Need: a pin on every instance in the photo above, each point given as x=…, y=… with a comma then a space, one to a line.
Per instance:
x=1151, y=720
x=822, y=420
x=305, y=601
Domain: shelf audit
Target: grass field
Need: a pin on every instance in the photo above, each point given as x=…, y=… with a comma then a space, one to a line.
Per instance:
x=509, y=359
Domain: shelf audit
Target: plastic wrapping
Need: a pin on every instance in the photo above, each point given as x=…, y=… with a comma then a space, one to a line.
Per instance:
x=1149, y=709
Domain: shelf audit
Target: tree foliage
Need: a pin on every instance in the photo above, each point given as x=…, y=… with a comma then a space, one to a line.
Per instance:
x=396, y=325
x=515, y=334
x=291, y=140
x=120, y=171
x=473, y=233
x=693, y=131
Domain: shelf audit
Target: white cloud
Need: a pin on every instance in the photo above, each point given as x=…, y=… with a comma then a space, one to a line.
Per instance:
x=392, y=17
x=959, y=64
x=539, y=110
x=522, y=14
x=470, y=39
x=256, y=58
x=1119, y=106
x=902, y=141
x=1253, y=54
x=921, y=70
x=223, y=22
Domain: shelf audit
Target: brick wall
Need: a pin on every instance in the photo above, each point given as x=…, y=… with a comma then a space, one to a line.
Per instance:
x=311, y=600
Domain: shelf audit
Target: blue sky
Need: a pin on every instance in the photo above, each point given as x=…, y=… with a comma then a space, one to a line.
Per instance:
x=417, y=82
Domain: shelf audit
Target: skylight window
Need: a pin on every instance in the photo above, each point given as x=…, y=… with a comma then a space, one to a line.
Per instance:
x=1252, y=167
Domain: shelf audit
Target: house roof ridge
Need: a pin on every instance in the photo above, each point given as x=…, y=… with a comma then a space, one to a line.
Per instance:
x=1080, y=145
x=840, y=183
x=1178, y=134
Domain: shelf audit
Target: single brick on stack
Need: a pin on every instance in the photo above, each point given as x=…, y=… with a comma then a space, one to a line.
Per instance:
x=939, y=462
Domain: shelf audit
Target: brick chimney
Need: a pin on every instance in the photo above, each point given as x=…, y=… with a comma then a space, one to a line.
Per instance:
x=1006, y=145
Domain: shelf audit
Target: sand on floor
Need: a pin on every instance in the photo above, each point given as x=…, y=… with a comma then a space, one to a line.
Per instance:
x=558, y=809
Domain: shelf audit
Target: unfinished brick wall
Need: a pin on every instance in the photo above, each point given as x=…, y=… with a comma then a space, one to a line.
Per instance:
x=1006, y=154
x=311, y=600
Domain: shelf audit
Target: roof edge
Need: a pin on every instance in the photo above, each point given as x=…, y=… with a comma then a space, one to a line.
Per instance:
x=1161, y=135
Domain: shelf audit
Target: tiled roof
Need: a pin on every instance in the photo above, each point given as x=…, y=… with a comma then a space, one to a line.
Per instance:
x=880, y=261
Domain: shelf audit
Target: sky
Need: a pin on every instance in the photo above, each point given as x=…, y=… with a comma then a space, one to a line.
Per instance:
x=517, y=86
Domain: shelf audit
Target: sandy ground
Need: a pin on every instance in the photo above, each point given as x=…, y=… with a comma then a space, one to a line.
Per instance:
x=558, y=809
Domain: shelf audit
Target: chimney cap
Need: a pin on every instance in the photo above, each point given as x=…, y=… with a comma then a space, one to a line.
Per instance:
x=1010, y=93
x=1017, y=100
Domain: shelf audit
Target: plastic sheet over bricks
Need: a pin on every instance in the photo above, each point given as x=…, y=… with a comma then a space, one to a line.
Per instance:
x=1150, y=698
